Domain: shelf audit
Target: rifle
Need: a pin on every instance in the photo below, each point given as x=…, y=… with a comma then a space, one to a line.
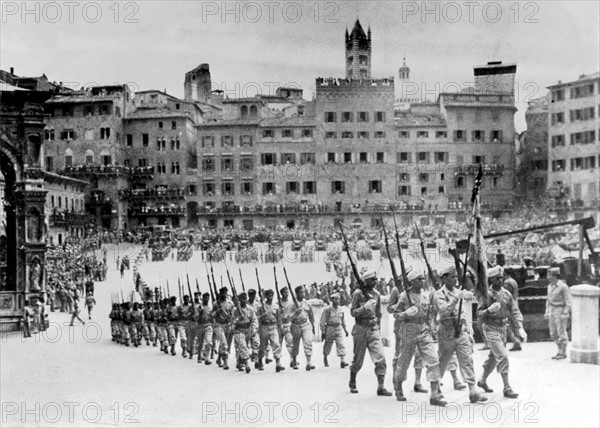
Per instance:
x=235, y=297
x=179, y=286
x=359, y=280
x=212, y=274
x=190, y=291
x=292, y=292
x=242, y=281
x=168, y=291
x=429, y=270
x=276, y=286
x=262, y=303
x=402, y=266
x=392, y=266
x=122, y=298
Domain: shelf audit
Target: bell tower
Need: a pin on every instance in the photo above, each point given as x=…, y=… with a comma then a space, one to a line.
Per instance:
x=358, y=53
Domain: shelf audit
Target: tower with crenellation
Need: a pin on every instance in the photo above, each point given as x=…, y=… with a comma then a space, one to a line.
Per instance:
x=358, y=53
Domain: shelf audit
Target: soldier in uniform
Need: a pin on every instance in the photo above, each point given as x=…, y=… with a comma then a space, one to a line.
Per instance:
x=173, y=324
x=161, y=325
x=245, y=325
x=418, y=362
x=269, y=319
x=188, y=325
x=333, y=329
x=149, y=327
x=222, y=314
x=445, y=301
x=125, y=322
x=416, y=333
x=366, y=309
x=494, y=313
x=204, y=333
x=192, y=326
x=558, y=309
x=302, y=328
x=114, y=322
x=286, y=324
x=135, y=327
x=254, y=304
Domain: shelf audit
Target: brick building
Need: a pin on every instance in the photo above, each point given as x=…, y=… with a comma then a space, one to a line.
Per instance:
x=532, y=173
x=573, y=140
x=84, y=138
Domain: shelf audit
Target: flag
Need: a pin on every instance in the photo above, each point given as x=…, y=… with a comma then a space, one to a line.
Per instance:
x=479, y=258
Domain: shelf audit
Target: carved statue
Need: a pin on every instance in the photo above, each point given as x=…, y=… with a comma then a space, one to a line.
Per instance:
x=35, y=275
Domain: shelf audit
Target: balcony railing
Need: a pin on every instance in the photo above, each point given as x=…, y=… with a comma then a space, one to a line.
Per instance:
x=86, y=170
x=141, y=172
x=473, y=169
x=157, y=211
x=65, y=218
x=144, y=194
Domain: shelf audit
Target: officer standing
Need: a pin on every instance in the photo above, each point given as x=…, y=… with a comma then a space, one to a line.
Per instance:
x=558, y=309
x=446, y=302
x=366, y=309
x=416, y=334
x=333, y=329
x=494, y=313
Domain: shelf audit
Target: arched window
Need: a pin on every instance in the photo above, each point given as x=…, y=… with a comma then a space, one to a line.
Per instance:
x=68, y=158
x=244, y=111
x=253, y=111
x=89, y=157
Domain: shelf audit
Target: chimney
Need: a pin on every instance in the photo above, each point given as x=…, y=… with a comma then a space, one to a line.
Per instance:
x=12, y=71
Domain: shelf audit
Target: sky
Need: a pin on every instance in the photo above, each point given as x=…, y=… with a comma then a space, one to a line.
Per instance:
x=256, y=46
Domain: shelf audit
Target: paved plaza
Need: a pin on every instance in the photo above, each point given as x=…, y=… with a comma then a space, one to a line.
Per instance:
x=76, y=376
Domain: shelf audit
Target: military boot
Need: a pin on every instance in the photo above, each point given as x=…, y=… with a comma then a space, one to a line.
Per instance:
x=508, y=392
x=309, y=366
x=352, y=383
x=278, y=366
x=325, y=362
x=173, y=350
x=436, y=399
x=381, y=391
x=184, y=353
x=399, y=393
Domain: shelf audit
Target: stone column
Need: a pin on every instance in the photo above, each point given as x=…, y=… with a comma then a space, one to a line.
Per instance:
x=584, y=331
x=387, y=322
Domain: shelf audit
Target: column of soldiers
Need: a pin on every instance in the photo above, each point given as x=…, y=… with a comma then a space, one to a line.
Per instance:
x=258, y=327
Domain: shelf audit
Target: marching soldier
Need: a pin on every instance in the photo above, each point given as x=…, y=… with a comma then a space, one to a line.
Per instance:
x=173, y=324
x=333, y=329
x=222, y=314
x=114, y=322
x=125, y=322
x=161, y=325
x=558, y=309
x=149, y=326
x=416, y=334
x=286, y=324
x=189, y=325
x=245, y=325
x=418, y=362
x=495, y=312
x=269, y=318
x=254, y=304
x=204, y=333
x=302, y=328
x=446, y=301
x=366, y=310
x=135, y=327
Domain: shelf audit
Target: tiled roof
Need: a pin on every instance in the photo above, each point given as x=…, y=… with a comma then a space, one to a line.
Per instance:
x=81, y=99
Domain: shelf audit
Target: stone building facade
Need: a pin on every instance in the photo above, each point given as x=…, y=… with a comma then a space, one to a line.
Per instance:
x=574, y=140
x=532, y=173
